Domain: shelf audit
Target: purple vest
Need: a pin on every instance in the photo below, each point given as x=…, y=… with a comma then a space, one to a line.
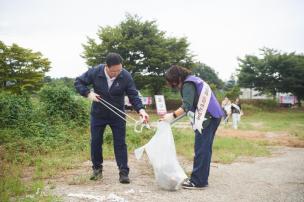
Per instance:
x=214, y=107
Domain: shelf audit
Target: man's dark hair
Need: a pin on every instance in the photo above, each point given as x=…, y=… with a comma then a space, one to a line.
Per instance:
x=113, y=59
x=176, y=74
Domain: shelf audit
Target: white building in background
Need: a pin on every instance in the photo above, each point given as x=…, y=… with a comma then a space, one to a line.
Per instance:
x=251, y=94
x=282, y=98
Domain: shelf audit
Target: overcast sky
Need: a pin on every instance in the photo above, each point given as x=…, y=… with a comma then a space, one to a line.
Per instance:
x=218, y=31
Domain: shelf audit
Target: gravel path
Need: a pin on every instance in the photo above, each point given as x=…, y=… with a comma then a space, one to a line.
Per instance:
x=276, y=178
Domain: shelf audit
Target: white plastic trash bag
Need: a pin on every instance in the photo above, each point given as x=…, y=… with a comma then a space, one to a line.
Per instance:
x=162, y=155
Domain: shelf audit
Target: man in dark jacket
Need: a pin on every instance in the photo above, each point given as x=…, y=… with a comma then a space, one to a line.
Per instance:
x=110, y=82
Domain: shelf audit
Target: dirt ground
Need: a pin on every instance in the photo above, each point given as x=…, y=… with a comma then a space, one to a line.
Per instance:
x=279, y=177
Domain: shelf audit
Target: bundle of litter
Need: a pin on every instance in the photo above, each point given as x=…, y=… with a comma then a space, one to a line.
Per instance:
x=162, y=155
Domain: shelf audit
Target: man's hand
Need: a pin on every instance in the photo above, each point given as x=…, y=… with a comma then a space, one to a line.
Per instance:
x=94, y=97
x=168, y=117
x=144, y=115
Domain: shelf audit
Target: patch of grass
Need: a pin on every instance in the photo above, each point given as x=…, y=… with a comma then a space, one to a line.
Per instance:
x=46, y=155
x=39, y=195
x=184, y=142
x=79, y=180
x=51, y=165
x=10, y=184
x=288, y=120
x=225, y=149
x=13, y=188
x=50, y=156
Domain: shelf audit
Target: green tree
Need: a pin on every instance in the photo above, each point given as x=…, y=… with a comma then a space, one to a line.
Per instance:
x=21, y=70
x=260, y=73
x=145, y=49
x=291, y=71
x=63, y=81
x=230, y=84
x=273, y=72
x=233, y=93
x=207, y=74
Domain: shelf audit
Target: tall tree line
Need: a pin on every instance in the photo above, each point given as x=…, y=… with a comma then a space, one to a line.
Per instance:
x=273, y=72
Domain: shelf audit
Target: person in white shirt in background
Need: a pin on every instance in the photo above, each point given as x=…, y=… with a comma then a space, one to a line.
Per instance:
x=236, y=113
x=226, y=106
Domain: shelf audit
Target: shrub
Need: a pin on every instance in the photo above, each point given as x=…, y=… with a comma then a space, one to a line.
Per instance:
x=173, y=104
x=14, y=109
x=269, y=105
x=171, y=94
x=233, y=93
x=250, y=109
x=60, y=102
x=220, y=95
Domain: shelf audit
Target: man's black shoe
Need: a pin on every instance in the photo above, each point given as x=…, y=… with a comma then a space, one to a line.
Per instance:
x=97, y=174
x=187, y=184
x=123, y=177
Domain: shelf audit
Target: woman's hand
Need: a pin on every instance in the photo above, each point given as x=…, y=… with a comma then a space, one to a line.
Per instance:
x=168, y=117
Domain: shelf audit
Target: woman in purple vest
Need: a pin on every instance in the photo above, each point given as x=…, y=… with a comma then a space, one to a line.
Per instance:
x=191, y=87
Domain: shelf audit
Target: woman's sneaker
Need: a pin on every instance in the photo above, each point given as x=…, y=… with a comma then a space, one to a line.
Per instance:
x=187, y=184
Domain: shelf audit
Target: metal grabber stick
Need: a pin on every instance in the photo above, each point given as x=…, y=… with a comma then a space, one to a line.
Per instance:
x=138, y=123
x=177, y=119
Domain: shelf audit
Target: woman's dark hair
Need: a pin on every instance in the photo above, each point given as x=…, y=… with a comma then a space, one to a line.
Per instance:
x=113, y=59
x=176, y=74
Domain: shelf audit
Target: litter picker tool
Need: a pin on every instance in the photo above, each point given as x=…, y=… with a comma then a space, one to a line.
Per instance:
x=138, y=124
x=177, y=119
